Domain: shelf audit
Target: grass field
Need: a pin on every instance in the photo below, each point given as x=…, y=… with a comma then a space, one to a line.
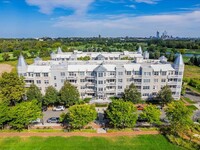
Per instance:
x=192, y=72
x=144, y=142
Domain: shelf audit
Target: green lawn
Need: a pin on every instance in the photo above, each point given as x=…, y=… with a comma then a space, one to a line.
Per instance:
x=144, y=142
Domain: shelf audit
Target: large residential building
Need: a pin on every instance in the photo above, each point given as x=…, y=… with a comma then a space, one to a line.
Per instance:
x=105, y=74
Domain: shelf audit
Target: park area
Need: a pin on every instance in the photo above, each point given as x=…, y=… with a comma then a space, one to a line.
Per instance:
x=141, y=142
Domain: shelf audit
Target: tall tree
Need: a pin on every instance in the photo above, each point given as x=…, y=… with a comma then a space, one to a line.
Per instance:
x=131, y=94
x=6, y=56
x=165, y=95
x=179, y=116
x=80, y=115
x=11, y=88
x=152, y=114
x=34, y=92
x=22, y=114
x=51, y=96
x=69, y=94
x=122, y=114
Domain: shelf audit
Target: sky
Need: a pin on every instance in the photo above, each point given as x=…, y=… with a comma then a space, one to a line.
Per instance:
x=89, y=18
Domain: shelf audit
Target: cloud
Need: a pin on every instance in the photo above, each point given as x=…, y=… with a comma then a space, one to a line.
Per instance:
x=131, y=6
x=182, y=24
x=79, y=6
x=147, y=1
x=6, y=1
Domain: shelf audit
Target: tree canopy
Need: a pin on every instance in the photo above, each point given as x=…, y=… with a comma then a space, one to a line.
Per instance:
x=179, y=116
x=152, y=114
x=11, y=88
x=51, y=96
x=22, y=114
x=69, y=94
x=80, y=115
x=122, y=114
x=131, y=94
x=34, y=92
x=4, y=111
x=165, y=95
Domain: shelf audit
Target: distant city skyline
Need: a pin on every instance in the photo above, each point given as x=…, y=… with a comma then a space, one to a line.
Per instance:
x=89, y=18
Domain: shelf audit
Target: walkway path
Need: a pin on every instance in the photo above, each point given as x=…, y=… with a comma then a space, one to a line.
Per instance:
x=114, y=134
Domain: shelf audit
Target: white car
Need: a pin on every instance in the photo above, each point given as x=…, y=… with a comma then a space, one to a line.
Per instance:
x=58, y=108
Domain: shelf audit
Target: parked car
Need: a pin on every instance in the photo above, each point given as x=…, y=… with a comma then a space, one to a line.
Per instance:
x=58, y=108
x=53, y=120
x=139, y=107
x=38, y=120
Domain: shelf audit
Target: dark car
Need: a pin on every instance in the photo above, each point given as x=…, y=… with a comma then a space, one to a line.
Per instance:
x=44, y=108
x=53, y=120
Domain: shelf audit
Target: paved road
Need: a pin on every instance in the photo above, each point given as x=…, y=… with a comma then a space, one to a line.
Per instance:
x=193, y=96
x=49, y=113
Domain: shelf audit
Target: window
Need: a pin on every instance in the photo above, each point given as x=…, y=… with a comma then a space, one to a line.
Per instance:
x=100, y=74
x=46, y=74
x=179, y=80
x=46, y=81
x=145, y=94
x=72, y=74
x=146, y=80
x=62, y=74
x=82, y=80
x=120, y=80
x=100, y=89
x=163, y=80
x=129, y=79
x=37, y=74
x=155, y=80
x=81, y=73
x=62, y=80
x=128, y=73
x=146, y=87
x=164, y=73
x=38, y=81
x=136, y=73
x=138, y=80
x=180, y=73
x=147, y=73
x=112, y=73
x=82, y=87
x=72, y=81
x=120, y=73
x=100, y=82
x=55, y=84
x=119, y=87
x=156, y=73
x=54, y=77
x=154, y=87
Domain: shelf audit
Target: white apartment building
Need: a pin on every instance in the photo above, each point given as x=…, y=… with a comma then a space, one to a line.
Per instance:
x=106, y=74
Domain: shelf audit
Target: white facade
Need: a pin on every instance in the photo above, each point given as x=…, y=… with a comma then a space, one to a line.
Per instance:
x=103, y=76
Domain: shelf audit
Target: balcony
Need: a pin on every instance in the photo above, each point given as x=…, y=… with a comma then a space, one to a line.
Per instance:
x=111, y=84
x=71, y=77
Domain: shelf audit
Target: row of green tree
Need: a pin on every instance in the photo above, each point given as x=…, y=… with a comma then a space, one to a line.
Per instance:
x=194, y=61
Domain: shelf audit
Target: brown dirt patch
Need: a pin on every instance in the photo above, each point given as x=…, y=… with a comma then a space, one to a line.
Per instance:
x=5, y=68
x=116, y=134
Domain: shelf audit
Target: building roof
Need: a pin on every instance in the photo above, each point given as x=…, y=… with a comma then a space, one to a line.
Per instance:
x=179, y=60
x=21, y=62
x=139, y=50
x=59, y=51
x=162, y=67
x=38, y=69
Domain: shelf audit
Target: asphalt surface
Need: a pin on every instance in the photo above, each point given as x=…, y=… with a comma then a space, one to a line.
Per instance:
x=49, y=113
